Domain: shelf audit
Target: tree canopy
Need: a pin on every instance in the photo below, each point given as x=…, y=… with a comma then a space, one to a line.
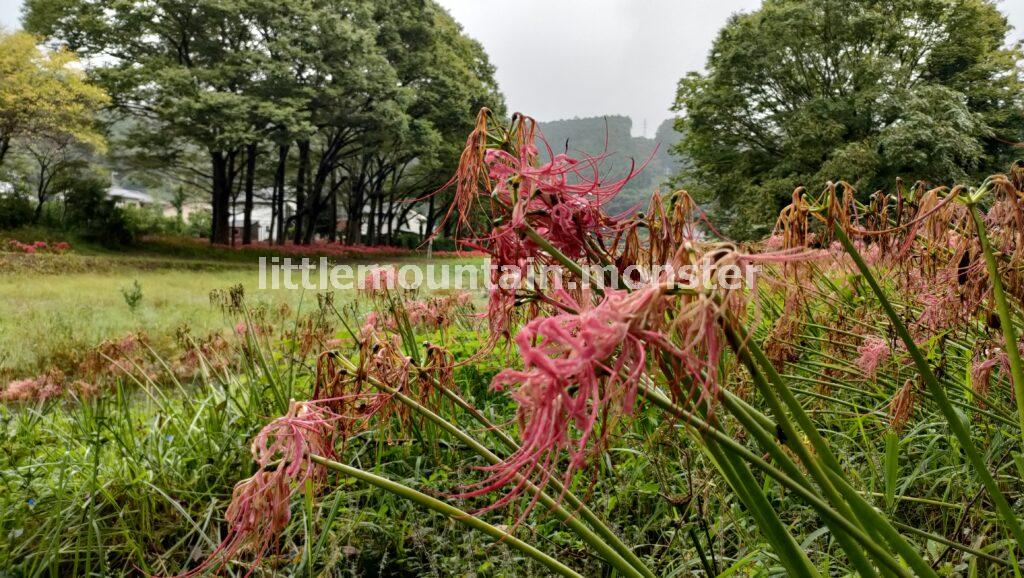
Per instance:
x=365, y=99
x=44, y=96
x=800, y=92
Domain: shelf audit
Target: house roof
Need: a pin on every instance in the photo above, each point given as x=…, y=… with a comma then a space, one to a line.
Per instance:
x=130, y=195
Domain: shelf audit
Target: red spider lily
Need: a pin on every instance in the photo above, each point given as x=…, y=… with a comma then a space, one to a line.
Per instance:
x=579, y=368
x=380, y=280
x=981, y=371
x=872, y=353
x=260, y=506
x=562, y=200
x=46, y=386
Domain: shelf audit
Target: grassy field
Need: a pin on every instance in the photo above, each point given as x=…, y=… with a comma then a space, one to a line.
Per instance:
x=55, y=306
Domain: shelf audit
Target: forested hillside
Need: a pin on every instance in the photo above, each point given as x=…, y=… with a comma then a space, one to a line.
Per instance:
x=612, y=134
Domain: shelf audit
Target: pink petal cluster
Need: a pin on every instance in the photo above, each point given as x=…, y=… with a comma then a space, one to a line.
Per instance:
x=872, y=353
x=260, y=506
x=379, y=280
x=44, y=387
x=37, y=246
x=578, y=368
x=437, y=312
x=561, y=199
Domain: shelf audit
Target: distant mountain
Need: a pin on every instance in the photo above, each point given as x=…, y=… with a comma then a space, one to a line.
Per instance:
x=595, y=136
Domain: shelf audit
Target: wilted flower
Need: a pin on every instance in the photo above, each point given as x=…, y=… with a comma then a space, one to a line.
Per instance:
x=901, y=407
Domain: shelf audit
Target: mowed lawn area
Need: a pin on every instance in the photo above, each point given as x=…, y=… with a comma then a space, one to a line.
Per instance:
x=52, y=307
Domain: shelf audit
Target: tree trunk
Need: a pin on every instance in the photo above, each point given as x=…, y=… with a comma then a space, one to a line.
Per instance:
x=430, y=218
x=219, y=229
x=334, y=207
x=279, y=178
x=273, y=215
x=250, y=172
x=40, y=193
x=5, y=145
x=371, y=221
x=233, y=201
x=300, y=189
x=353, y=231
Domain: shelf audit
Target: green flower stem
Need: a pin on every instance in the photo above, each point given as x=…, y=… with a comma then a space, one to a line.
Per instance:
x=1005, y=318
x=559, y=511
x=450, y=511
x=844, y=501
x=575, y=505
x=701, y=429
x=769, y=444
x=566, y=262
x=957, y=425
x=742, y=481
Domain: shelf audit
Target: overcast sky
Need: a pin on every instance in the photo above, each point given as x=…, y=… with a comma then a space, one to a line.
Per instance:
x=565, y=58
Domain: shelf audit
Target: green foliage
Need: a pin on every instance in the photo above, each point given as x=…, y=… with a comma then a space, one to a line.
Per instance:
x=15, y=211
x=199, y=224
x=148, y=220
x=45, y=96
x=89, y=212
x=379, y=95
x=132, y=295
x=805, y=91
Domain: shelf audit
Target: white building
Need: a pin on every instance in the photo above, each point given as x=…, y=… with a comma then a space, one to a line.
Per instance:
x=262, y=217
x=126, y=197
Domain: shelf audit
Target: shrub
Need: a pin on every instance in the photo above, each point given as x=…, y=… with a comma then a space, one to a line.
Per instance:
x=15, y=211
x=148, y=221
x=200, y=223
x=89, y=212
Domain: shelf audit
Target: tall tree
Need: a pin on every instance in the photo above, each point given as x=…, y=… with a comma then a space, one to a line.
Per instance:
x=804, y=91
x=44, y=96
x=184, y=64
x=448, y=77
x=326, y=81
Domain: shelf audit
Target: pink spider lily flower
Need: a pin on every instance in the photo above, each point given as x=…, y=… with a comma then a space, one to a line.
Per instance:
x=47, y=386
x=260, y=507
x=872, y=353
x=379, y=280
x=580, y=368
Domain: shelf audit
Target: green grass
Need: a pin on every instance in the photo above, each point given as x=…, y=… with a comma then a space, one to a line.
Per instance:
x=56, y=306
